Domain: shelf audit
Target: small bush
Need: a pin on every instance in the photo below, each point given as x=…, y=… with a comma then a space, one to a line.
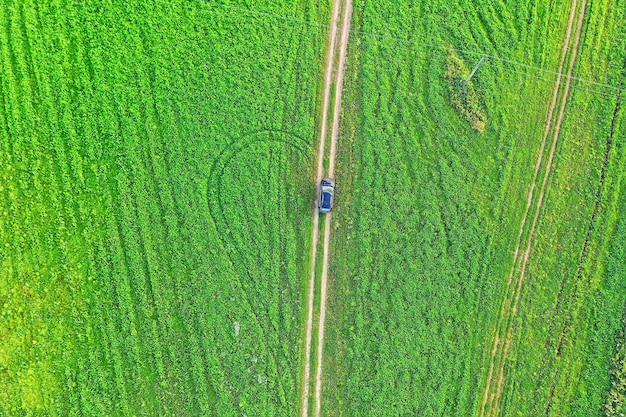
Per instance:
x=464, y=98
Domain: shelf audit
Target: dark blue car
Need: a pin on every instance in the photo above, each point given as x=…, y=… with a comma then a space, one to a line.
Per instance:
x=327, y=193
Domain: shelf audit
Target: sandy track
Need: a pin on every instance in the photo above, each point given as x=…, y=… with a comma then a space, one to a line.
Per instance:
x=304, y=401
x=343, y=48
x=331, y=58
x=501, y=346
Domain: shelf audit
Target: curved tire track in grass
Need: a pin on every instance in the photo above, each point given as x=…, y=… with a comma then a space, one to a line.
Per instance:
x=501, y=344
x=235, y=254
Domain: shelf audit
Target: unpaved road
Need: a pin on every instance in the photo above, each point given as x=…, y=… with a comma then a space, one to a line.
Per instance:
x=495, y=382
x=336, y=56
x=343, y=48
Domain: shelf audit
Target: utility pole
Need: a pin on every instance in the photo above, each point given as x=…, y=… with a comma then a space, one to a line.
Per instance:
x=474, y=71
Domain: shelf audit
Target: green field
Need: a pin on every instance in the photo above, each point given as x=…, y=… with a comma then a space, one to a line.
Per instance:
x=156, y=185
x=155, y=196
x=431, y=207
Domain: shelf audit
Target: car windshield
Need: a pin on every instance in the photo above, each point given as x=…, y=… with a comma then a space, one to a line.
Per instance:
x=326, y=199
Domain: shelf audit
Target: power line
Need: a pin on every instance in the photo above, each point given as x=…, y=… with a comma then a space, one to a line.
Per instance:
x=552, y=80
x=423, y=45
x=534, y=75
x=488, y=56
x=473, y=71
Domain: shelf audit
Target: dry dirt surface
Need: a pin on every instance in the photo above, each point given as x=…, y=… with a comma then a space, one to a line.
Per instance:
x=343, y=48
x=335, y=62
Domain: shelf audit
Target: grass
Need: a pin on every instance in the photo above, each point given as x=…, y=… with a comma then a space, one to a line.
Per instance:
x=155, y=198
x=156, y=191
x=572, y=305
x=430, y=210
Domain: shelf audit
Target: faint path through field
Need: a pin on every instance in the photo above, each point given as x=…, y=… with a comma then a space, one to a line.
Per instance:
x=344, y=6
x=503, y=331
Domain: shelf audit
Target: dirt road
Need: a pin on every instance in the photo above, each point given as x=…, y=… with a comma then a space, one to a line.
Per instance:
x=503, y=333
x=343, y=47
x=335, y=60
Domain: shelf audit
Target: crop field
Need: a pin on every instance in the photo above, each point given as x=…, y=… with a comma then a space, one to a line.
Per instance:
x=156, y=188
x=474, y=270
x=155, y=196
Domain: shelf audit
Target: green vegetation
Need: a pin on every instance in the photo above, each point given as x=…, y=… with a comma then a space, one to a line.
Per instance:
x=575, y=295
x=155, y=199
x=430, y=212
x=463, y=95
x=616, y=403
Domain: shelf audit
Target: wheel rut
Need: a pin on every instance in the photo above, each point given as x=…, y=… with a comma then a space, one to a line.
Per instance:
x=335, y=64
x=504, y=328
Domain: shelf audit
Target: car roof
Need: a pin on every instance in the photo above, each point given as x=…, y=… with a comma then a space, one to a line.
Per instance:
x=326, y=198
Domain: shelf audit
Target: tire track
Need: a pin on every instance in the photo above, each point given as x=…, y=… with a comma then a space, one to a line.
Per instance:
x=29, y=109
x=343, y=47
x=155, y=291
x=229, y=240
x=61, y=165
x=304, y=398
x=501, y=345
x=336, y=55
x=571, y=312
